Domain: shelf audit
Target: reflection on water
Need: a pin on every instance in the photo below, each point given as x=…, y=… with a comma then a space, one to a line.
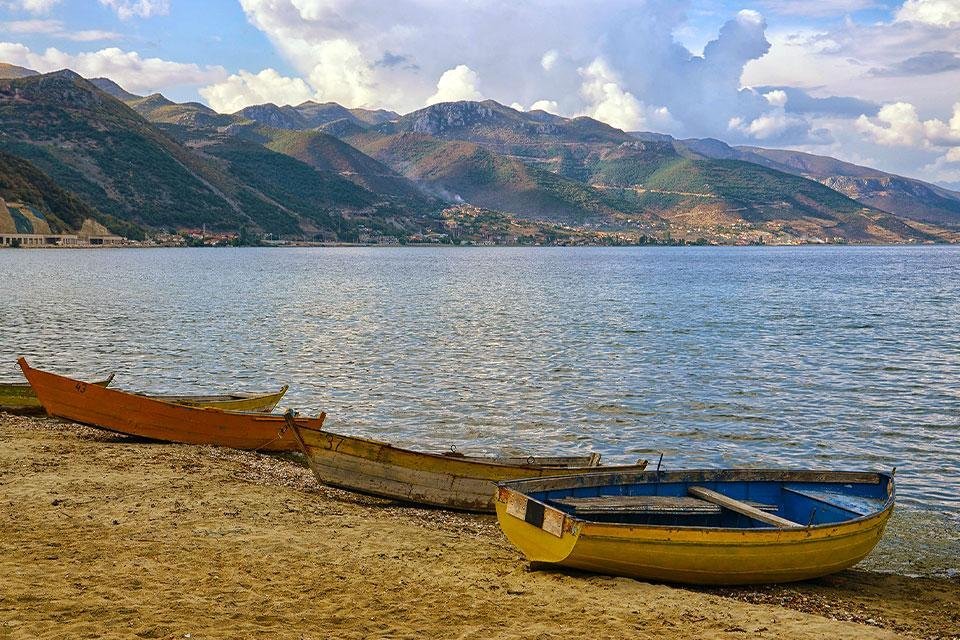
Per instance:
x=836, y=357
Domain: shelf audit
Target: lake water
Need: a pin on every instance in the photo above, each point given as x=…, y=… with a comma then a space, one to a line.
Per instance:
x=829, y=357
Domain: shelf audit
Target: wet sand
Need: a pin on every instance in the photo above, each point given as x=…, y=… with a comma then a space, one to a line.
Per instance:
x=107, y=536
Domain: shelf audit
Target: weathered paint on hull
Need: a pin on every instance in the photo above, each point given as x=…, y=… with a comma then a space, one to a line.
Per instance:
x=145, y=417
x=699, y=555
x=379, y=469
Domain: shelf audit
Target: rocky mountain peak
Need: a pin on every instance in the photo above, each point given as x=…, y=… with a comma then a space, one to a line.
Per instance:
x=64, y=87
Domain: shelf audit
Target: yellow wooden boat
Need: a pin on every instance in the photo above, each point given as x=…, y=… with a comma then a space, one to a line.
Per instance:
x=19, y=397
x=451, y=480
x=263, y=401
x=702, y=526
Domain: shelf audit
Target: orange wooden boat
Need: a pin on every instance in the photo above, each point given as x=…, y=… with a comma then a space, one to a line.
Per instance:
x=137, y=415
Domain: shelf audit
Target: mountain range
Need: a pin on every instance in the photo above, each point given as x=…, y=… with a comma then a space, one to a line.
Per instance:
x=87, y=149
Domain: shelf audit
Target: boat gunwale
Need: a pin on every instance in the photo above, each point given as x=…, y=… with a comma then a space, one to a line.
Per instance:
x=577, y=523
x=472, y=461
x=103, y=382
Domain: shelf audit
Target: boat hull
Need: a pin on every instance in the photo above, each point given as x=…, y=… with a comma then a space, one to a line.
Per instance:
x=690, y=555
x=137, y=415
x=453, y=482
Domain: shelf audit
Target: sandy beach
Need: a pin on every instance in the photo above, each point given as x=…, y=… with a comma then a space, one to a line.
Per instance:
x=106, y=536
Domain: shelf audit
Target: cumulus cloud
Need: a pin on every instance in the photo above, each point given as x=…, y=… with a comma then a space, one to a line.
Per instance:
x=244, y=89
x=777, y=124
x=935, y=12
x=459, y=83
x=550, y=106
x=776, y=97
x=898, y=124
x=340, y=73
x=127, y=9
x=56, y=29
x=609, y=102
x=129, y=68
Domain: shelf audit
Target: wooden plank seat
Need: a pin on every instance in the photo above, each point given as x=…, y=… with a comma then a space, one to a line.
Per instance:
x=741, y=507
x=646, y=505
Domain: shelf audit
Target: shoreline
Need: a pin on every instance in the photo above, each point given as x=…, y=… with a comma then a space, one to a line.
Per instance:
x=427, y=245
x=108, y=535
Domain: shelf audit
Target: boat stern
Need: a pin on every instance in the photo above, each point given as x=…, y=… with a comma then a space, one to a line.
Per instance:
x=541, y=532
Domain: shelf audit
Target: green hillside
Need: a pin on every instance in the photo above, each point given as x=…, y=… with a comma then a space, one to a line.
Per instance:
x=21, y=181
x=104, y=152
x=324, y=152
x=327, y=200
x=464, y=171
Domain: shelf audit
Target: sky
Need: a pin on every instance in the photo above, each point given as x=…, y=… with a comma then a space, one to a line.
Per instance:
x=875, y=82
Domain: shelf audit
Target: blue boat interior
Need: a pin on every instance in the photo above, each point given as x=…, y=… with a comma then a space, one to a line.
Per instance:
x=673, y=503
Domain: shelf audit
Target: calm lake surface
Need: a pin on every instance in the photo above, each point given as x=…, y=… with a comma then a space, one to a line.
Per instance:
x=830, y=357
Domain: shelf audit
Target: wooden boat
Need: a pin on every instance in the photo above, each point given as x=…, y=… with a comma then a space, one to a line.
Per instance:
x=264, y=402
x=451, y=480
x=19, y=396
x=700, y=527
x=146, y=417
